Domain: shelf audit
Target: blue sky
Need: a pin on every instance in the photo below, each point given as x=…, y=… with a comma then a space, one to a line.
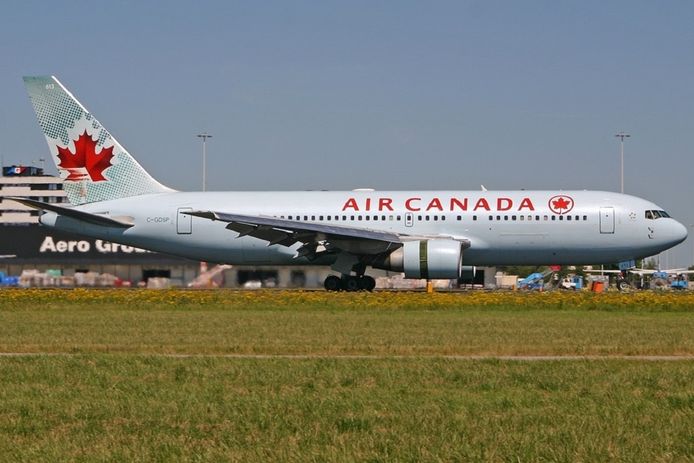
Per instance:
x=390, y=95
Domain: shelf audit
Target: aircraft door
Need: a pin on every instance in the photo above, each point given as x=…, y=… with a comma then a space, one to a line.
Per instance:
x=409, y=219
x=184, y=222
x=607, y=220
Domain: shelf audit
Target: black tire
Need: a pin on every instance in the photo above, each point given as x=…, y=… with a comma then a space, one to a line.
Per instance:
x=367, y=283
x=332, y=283
x=350, y=283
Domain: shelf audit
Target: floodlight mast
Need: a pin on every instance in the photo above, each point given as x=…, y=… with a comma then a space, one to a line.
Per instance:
x=204, y=137
x=621, y=135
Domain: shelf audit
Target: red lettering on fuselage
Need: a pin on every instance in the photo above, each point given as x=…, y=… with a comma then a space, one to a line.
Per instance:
x=481, y=204
x=503, y=204
x=409, y=206
x=351, y=204
x=461, y=204
x=437, y=204
x=526, y=204
x=384, y=203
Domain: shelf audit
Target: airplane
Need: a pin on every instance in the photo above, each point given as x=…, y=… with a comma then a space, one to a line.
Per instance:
x=424, y=234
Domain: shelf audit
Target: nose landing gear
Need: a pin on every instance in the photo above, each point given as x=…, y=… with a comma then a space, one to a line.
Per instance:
x=349, y=283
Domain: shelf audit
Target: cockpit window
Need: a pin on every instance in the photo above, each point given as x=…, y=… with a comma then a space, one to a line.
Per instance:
x=652, y=215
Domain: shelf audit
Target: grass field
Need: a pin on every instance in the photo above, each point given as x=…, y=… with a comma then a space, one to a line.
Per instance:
x=119, y=391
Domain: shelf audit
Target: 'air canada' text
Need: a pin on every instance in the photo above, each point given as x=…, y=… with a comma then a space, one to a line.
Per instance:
x=438, y=204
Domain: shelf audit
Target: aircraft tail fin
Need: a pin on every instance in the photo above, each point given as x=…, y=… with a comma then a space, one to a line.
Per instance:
x=93, y=165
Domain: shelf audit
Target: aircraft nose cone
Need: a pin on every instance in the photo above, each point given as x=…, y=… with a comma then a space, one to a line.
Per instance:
x=678, y=232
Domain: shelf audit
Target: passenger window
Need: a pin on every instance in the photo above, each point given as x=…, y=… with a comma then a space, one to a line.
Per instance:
x=585, y=217
x=459, y=218
x=474, y=217
x=436, y=217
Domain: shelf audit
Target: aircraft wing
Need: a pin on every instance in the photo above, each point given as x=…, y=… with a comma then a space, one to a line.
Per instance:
x=96, y=219
x=316, y=237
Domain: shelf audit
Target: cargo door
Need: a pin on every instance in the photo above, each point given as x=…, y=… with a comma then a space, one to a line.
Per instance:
x=184, y=222
x=607, y=220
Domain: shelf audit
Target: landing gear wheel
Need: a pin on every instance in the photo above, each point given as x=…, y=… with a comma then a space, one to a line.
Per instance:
x=350, y=283
x=367, y=283
x=332, y=283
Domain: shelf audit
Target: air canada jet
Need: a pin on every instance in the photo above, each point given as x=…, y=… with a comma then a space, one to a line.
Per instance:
x=424, y=234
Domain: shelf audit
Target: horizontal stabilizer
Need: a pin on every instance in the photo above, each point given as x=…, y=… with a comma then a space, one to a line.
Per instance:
x=96, y=219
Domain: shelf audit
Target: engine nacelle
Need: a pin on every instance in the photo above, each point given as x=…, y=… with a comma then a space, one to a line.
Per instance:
x=430, y=259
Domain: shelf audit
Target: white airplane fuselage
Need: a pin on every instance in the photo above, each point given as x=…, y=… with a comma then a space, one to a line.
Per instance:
x=502, y=227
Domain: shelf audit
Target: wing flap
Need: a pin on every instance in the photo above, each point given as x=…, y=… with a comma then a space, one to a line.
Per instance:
x=297, y=229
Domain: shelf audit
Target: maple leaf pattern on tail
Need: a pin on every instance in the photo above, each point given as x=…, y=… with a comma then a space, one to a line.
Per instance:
x=85, y=158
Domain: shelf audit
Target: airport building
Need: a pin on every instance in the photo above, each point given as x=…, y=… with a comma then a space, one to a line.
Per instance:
x=51, y=257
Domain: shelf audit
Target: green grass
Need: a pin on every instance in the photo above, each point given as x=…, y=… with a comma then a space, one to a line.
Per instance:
x=130, y=408
x=112, y=396
x=212, y=329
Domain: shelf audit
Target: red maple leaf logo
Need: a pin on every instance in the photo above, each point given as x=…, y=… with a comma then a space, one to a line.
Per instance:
x=86, y=158
x=561, y=204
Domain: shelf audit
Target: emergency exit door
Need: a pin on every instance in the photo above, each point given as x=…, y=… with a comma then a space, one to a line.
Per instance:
x=607, y=220
x=184, y=222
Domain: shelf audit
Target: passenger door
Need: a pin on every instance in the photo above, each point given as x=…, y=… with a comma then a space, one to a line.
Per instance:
x=607, y=220
x=184, y=222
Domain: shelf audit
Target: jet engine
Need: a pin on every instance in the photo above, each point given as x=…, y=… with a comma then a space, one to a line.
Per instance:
x=430, y=259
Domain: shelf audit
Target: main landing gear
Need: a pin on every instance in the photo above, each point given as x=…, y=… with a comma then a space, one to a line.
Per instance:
x=349, y=283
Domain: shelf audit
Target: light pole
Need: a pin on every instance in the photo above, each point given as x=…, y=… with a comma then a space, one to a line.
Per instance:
x=621, y=136
x=691, y=225
x=204, y=137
